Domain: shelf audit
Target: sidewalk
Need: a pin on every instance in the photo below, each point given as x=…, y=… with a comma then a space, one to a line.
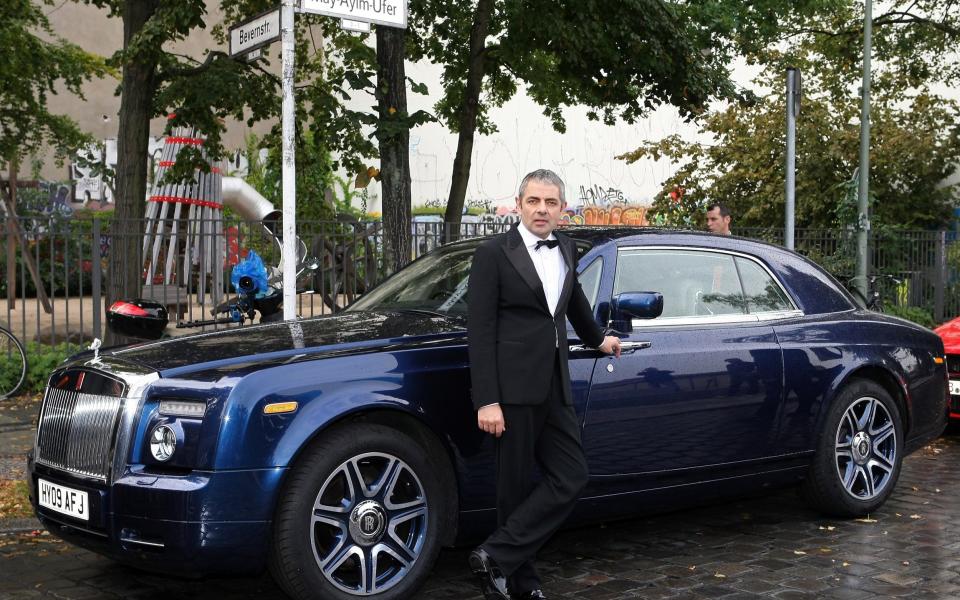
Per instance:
x=17, y=426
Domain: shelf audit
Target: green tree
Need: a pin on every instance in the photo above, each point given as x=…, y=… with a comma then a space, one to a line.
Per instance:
x=34, y=62
x=914, y=131
x=204, y=94
x=620, y=59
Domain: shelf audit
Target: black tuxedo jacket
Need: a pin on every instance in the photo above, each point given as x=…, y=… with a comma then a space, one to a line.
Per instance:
x=512, y=336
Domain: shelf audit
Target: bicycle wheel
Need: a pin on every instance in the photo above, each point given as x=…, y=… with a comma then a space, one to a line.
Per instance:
x=13, y=364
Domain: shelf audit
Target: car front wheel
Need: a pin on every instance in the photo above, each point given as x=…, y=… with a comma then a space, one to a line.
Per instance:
x=359, y=517
x=859, y=452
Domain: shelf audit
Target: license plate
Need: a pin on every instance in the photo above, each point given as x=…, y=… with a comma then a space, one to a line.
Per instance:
x=955, y=387
x=64, y=500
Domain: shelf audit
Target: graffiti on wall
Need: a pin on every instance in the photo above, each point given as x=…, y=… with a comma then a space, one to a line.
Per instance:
x=619, y=214
x=598, y=195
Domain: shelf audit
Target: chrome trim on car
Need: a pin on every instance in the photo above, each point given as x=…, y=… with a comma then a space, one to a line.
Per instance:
x=717, y=319
x=75, y=432
x=88, y=435
x=126, y=539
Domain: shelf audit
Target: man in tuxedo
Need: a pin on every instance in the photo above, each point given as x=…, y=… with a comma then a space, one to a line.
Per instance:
x=523, y=288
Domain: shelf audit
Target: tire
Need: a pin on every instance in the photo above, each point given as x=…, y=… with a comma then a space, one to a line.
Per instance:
x=13, y=364
x=858, y=453
x=360, y=516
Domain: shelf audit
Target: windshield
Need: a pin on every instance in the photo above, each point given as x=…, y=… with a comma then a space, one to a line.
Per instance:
x=436, y=282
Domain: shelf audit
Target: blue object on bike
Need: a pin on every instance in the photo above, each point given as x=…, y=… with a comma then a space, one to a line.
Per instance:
x=252, y=266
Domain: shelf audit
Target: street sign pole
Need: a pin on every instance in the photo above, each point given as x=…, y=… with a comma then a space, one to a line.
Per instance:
x=793, y=109
x=863, y=220
x=289, y=166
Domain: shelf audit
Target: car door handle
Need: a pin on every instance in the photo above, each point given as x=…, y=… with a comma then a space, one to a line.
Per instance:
x=625, y=347
x=634, y=346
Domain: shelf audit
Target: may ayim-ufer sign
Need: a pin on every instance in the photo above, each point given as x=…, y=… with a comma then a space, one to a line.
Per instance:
x=392, y=13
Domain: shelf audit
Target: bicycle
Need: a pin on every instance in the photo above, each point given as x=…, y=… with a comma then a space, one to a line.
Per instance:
x=13, y=364
x=874, y=298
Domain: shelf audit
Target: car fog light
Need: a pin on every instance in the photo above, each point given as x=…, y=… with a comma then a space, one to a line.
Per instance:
x=163, y=442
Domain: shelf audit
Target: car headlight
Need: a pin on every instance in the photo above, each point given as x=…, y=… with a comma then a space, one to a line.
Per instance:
x=163, y=443
x=192, y=409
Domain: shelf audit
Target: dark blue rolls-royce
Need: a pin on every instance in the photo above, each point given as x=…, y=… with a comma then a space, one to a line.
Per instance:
x=342, y=452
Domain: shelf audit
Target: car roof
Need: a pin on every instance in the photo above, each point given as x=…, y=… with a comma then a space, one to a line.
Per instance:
x=811, y=286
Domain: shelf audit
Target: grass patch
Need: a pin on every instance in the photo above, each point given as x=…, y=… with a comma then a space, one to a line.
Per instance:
x=14, y=500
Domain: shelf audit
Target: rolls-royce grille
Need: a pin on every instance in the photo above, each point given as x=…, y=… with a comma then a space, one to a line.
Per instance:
x=76, y=432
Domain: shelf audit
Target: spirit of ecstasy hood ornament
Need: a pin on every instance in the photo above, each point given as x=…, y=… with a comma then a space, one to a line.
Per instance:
x=95, y=346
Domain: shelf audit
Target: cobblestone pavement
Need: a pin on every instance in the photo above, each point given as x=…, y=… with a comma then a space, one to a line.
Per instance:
x=769, y=547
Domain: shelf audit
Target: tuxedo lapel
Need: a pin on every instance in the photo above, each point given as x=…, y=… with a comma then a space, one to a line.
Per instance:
x=519, y=257
x=566, y=250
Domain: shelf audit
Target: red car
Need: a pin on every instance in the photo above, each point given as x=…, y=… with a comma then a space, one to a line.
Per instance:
x=950, y=332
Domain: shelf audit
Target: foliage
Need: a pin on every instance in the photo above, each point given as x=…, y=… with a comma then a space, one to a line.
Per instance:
x=915, y=137
x=439, y=210
x=680, y=211
x=15, y=499
x=42, y=359
x=34, y=62
x=620, y=59
x=63, y=249
x=314, y=175
x=920, y=316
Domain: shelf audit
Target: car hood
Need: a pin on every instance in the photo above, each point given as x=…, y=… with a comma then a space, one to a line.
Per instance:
x=949, y=332
x=341, y=333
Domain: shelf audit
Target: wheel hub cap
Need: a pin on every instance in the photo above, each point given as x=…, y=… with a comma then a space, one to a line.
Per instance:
x=861, y=447
x=866, y=449
x=367, y=522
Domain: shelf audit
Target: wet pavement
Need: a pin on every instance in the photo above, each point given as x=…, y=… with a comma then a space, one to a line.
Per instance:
x=766, y=547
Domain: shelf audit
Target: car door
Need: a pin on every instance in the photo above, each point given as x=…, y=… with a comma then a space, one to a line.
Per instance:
x=699, y=386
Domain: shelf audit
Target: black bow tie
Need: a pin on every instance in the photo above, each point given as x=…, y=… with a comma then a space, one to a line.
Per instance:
x=547, y=243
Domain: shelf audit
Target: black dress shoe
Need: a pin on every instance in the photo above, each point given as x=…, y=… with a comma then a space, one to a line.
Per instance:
x=493, y=583
x=531, y=595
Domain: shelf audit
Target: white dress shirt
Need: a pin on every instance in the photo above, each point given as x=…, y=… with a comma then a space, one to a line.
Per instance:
x=549, y=264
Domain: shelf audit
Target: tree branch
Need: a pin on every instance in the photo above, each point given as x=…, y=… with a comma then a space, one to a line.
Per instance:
x=208, y=62
x=906, y=18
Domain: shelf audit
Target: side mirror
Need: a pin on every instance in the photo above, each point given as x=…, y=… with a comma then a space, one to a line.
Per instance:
x=634, y=305
x=142, y=319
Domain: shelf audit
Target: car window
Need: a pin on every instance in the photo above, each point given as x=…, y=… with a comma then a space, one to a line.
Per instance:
x=590, y=281
x=694, y=283
x=436, y=282
x=761, y=291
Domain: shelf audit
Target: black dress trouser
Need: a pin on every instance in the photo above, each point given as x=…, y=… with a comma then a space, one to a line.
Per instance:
x=546, y=435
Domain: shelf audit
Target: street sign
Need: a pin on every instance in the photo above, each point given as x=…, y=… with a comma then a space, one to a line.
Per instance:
x=255, y=33
x=358, y=26
x=392, y=13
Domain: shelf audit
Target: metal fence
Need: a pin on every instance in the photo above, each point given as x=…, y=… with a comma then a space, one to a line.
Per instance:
x=62, y=301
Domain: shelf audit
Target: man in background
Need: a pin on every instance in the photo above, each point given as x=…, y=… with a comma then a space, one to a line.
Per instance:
x=718, y=219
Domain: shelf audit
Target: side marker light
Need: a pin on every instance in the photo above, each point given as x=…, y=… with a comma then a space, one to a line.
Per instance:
x=279, y=407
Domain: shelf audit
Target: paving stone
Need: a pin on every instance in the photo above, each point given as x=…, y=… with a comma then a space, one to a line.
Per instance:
x=770, y=547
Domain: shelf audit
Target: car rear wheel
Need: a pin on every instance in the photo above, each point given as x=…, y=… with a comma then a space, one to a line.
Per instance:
x=859, y=452
x=359, y=517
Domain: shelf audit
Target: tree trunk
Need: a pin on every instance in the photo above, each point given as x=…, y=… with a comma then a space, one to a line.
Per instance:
x=126, y=230
x=468, y=118
x=394, y=142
